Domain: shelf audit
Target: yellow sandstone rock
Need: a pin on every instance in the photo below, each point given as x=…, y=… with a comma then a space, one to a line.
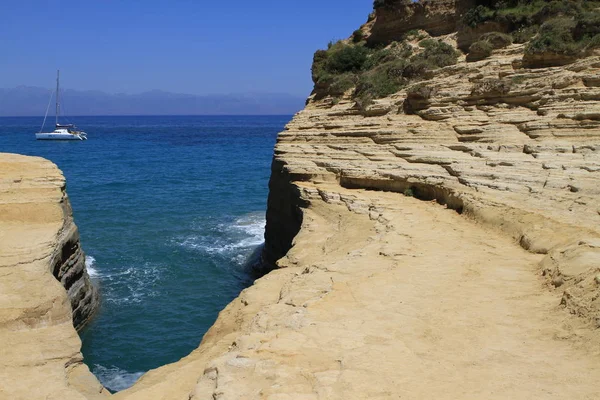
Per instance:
x=486, y=290
x=39, y=249
x=445, y=248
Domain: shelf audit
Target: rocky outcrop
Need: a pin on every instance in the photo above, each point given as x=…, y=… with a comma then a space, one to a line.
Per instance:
x=385, y=295
x=45, y=291
x=393, y=20
x=517, y=148
x=448, y=233
x=452, y=240
x=397, y=17
x=68, y=267
x=284, y=216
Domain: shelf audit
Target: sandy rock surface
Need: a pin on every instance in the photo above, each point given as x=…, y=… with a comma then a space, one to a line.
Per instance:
x=383, y=297
x=525, y=160
x=39, y=346
x=440, y=248
x=443, y=243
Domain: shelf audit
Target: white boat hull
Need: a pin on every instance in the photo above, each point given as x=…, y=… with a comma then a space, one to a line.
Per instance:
x=61, y=132
x=60, y=136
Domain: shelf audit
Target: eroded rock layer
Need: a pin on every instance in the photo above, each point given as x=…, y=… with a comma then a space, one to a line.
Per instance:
x=491, y=282
x=442, y=242
x=383, y=296
x=45, y=291
x=516, y=148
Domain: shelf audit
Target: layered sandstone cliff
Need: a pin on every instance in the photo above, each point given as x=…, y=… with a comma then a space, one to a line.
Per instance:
x=442, y=242
x=45, y=291
x=514, y=147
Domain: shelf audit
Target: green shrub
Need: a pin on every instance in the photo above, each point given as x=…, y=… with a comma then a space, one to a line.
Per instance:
x=436, y=54
x=347, y=59
x=341, y=83
x=556, y=36
x=379, y=3
x=559, y=8
x=394, y=52
x=386, y=3
x=593, y=43
x=415, y=34
x=519, y=14
x=375, y=73
x=319, y=74
x=480, y=50
x=525, y=34
x=587, y=26
x=486, y=44
x=498, y=40
x=358, y=36
x=378, y=57
x=417, y=69
x=477, y=15
x=381, y=81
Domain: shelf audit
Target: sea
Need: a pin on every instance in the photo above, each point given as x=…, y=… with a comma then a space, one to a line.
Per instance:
x=171, y=212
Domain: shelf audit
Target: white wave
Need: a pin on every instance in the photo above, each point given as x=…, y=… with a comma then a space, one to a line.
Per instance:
x=114, y=378
x=244, y=233
x=253, y=225
x=90, y=264
x=131, y=285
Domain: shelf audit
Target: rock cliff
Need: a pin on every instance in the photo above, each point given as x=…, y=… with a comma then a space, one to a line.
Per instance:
x=441, y=241
x=438, y=238
x=45, y=291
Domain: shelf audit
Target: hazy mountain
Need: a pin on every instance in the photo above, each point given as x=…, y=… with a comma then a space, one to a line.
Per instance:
x=32, y=101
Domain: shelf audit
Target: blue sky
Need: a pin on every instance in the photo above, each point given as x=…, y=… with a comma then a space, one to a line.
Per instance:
x=185, y=46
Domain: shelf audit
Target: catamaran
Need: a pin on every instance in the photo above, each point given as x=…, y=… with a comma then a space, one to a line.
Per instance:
x=61, y=131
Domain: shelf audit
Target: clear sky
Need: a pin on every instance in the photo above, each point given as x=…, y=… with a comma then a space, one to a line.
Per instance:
x=185, y=46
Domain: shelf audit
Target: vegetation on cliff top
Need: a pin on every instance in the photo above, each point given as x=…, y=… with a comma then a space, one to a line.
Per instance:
x=556, y=32
x=382, y=3
x=567, y=28
x=376, y=72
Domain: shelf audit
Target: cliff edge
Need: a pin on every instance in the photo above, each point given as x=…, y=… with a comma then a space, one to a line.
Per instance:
x=45, y=291
x=432, y=220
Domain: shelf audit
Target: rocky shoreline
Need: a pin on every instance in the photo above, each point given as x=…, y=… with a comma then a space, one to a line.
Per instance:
x=45, y=291
x=439, y=242
x=432, y=238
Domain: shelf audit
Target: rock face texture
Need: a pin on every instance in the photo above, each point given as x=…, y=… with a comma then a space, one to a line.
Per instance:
x=437, y=17
x=45, y=291
x=385, y=296
x=516, y=148
x=443, y=243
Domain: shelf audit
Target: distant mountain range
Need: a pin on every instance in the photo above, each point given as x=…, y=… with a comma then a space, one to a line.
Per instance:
x=32, y=101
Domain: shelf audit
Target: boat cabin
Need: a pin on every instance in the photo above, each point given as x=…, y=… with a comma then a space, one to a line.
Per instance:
x=69, y=128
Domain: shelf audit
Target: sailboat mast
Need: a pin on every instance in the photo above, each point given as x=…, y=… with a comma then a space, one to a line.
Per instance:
x=57, y=83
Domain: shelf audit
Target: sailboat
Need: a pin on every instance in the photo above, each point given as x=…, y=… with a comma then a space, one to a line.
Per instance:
x=61, y=131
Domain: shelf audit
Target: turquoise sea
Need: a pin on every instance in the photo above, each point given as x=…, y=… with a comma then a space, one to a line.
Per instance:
x=170, y=211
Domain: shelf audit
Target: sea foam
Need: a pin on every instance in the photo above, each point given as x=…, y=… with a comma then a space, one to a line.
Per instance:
x=229, y=239
x=115, y=379
x=131, y=284
x=90, y=265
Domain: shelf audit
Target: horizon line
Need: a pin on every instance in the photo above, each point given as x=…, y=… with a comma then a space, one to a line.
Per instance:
x=158, y=115
x=50, y=89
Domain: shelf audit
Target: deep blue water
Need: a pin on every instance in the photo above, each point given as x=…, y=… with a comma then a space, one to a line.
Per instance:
x=169, y=210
